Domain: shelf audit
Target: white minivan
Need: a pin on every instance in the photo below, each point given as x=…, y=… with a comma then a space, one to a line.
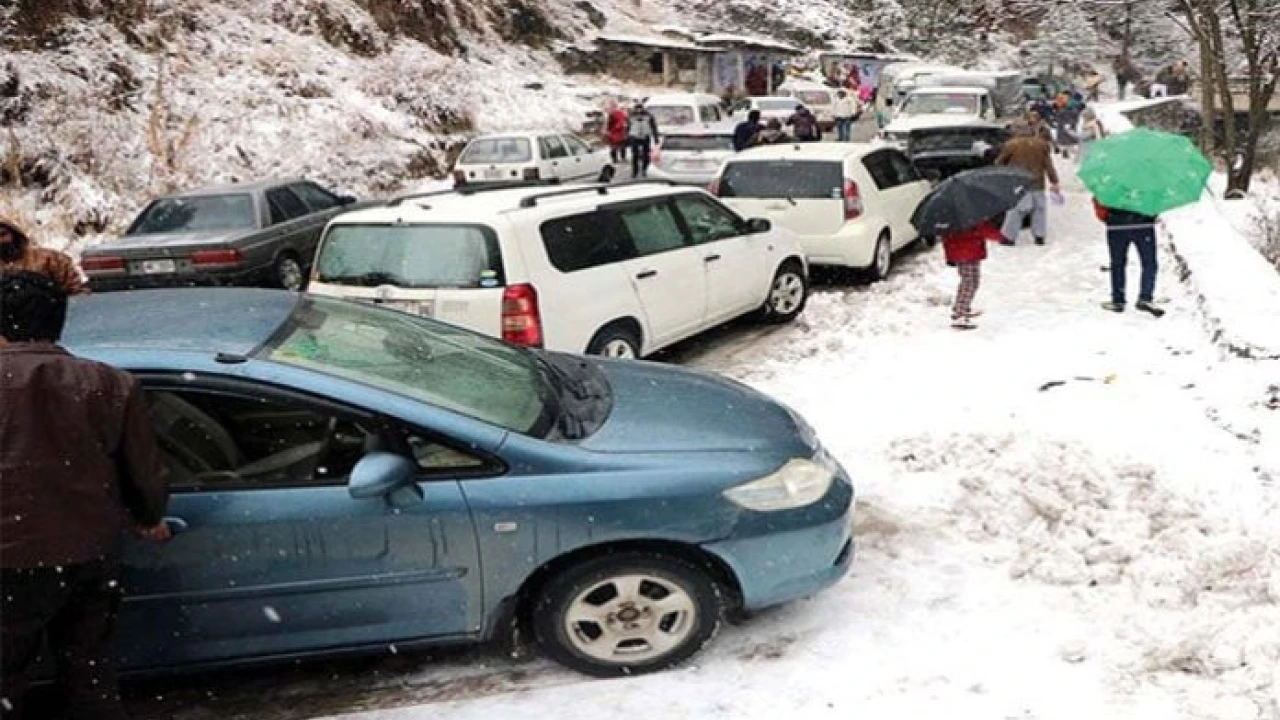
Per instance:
x=681, y=109
x=615, y=270
x=849, y=203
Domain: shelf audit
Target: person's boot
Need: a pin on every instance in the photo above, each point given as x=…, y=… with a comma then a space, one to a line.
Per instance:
x=1147, y=306
x=1039, y=241
x=1007, y=242
x=1117, y=307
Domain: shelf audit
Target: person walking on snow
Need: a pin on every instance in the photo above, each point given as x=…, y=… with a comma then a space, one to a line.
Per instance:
x=844, y=110
x=642, y=135
x=79, y=466
x=744, y=134
x=615, y=133
x=966, y=250
x=1126, y=228
x=18, y=253
x=1033, y=154
x=805, y=124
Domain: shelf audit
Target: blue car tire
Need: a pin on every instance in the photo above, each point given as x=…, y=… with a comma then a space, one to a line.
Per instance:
x=627, y=614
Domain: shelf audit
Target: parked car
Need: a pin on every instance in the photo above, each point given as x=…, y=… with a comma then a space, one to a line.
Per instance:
x=679, y=109
x=693, y=154
x=817, y=97
x=945, y=151
x=850, y=203
x=257, y=234
x=779, y=108
x=620, y=270
x=347, y=478
x=519, y=158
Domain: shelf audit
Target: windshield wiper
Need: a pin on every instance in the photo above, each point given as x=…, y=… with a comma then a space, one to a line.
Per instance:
x=369, y=279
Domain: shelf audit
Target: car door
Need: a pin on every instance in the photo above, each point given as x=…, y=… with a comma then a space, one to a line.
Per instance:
x=272, y=554
x=666, y=270
x=585, y=163
x=734, y=265
x=891, y=198
x=912, y=188
x=290, y=232
x=556, y=157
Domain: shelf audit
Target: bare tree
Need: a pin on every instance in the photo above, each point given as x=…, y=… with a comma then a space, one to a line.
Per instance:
x=1249, y=31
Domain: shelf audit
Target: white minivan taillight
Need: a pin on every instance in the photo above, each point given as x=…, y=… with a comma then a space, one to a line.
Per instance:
x=521, y=319
x=852, y=200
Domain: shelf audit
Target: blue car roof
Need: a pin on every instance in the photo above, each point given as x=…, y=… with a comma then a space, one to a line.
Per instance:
x=201, y=320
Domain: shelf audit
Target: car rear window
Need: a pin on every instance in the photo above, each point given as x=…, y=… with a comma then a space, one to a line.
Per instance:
x=812, y=97
x=672, y=114
x=783, y=179
x=411, y=256
x=776, y=105
x=697, y=142
x=497, y=150
x=196, y=214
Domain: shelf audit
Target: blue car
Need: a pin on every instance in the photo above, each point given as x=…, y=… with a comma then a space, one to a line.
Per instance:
x=347, y=478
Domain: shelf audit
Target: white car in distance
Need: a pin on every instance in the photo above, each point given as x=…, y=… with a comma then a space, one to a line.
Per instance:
x=531, y=157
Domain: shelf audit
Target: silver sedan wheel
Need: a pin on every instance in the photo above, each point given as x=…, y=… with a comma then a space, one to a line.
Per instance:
x=618, y=348
x=630, y=619
x=787, y=293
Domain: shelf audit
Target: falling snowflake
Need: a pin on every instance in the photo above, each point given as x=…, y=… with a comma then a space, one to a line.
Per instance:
x=271, y=613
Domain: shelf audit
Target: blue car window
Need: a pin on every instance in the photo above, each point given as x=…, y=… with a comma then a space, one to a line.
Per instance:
x=219, y=440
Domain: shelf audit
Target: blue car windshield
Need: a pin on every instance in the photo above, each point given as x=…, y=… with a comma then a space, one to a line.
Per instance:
x=428, y=361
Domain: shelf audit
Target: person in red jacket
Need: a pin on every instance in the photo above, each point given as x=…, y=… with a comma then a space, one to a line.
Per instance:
x=615, y=133
x=966, y=249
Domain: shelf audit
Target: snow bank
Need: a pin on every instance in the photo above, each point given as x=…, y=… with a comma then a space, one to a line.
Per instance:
x=1238, y=290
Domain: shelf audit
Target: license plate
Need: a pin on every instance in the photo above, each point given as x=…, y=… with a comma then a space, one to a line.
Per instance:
x=157, y=267
x=493, y=174
x=413, y=307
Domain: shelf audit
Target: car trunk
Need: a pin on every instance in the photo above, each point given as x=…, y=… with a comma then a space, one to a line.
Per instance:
x=694, y=154
x=951, y=150
x=804, y=196
x=501, y=159
x=450, y=272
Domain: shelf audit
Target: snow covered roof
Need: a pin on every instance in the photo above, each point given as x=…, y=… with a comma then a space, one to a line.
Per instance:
x=654, y=42
x=748, y=41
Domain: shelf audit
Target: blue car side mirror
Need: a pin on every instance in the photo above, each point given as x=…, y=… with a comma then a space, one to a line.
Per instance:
x=380, y=473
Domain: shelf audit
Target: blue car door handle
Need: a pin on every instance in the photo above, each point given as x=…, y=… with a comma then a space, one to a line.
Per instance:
x=176, y=525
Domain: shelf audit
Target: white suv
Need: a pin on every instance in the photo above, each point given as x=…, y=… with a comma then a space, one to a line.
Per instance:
x=850, y=203
x=617, y=270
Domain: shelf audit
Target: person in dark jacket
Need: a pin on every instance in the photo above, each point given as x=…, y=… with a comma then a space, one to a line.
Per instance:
x=745, y=132
x=805, y=125
x=966, y=249
x=78, y=456
x=1125, y=228
x=772, y=134
x=642, y=135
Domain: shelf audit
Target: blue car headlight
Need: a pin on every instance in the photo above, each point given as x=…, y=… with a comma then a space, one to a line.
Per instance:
x=799, y=482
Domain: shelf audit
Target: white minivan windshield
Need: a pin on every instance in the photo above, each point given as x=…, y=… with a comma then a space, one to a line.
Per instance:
x=410, y=256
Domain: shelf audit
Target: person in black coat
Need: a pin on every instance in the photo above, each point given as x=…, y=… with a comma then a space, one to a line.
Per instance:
x=745, y=132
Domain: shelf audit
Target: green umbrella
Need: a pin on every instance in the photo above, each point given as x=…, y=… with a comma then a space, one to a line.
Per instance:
x=1145, y=171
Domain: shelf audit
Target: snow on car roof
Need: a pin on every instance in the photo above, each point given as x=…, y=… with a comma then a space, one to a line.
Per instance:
x=808, y=151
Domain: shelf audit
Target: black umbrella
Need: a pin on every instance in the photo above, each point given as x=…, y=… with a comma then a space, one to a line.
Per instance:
x=966, y=199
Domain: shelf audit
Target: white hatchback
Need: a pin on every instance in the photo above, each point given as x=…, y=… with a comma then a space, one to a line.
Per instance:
x=518, y=158
x=849, y=203
x=617, y=270
x=693, y=154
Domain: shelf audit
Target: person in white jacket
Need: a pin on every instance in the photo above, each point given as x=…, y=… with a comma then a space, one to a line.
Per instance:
x=844, y=110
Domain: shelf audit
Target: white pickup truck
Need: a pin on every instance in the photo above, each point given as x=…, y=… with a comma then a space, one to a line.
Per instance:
x=957, y=99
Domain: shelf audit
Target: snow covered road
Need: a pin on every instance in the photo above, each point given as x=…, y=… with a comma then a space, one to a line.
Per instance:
x=1066, y=513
